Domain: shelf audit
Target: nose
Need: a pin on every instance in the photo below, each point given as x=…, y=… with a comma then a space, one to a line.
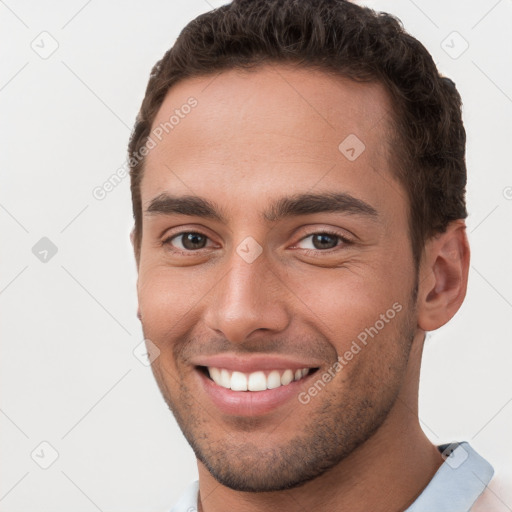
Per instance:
x=249, y=298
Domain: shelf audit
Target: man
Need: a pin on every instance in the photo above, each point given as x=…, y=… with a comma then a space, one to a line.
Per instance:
x=298, y=185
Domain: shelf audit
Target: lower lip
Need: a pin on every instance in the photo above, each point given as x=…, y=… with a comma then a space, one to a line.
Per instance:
x=250, y=403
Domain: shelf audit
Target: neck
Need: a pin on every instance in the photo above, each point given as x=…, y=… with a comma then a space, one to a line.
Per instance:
x=387, y=472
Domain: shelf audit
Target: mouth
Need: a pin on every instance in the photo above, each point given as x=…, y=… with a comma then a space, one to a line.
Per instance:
x=255, y=392
x=260, y=380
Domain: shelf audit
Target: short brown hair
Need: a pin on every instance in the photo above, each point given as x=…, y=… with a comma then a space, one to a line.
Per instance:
x=345, y=39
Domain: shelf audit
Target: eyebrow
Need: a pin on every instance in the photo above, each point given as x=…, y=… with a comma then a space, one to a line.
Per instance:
x=166, y=204
x=284, y=207
x=308, y=204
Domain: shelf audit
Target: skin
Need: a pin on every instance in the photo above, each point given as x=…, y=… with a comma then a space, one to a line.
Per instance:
x=253, y=138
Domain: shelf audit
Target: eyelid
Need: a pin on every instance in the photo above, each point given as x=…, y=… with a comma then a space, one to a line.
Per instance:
x=184, y=228
x=344, y=239
x=166, y=241
x=343, y=234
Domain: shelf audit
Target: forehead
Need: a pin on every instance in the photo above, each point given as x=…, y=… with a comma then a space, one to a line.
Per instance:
x=270, y=127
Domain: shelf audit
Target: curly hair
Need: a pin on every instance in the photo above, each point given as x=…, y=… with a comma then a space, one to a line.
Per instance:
x=348, y=40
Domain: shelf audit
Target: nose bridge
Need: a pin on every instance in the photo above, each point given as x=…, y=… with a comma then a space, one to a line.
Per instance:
x=241, y=286
x=246, y=298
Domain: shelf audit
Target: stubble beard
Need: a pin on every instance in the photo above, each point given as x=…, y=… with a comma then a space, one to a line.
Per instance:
x=337, y=425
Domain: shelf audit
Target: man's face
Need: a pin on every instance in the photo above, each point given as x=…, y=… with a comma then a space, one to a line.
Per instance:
x=258, y=284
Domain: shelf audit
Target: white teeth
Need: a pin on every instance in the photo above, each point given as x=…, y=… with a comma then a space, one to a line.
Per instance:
x=255, y=381
x=225, y=379
x=238, y=381
x=273, y=379
x=287, y=377
x=214, y=374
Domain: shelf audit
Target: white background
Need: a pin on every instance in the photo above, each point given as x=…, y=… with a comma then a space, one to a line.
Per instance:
x=68, y=374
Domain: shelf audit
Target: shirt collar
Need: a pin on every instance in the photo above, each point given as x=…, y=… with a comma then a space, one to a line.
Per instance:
x=457, y=483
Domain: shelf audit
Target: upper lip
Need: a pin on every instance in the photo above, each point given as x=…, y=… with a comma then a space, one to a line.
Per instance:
x=253, y=363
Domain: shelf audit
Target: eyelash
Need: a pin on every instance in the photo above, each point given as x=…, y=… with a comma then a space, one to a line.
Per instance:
x=315, y=252
x=342, y=241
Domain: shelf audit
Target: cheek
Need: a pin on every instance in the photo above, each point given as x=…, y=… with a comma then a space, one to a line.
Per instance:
x=363, y=313
x=157, y=300
x=167, y=294
x=171, y=302
x=163, y=304
x=344, y=303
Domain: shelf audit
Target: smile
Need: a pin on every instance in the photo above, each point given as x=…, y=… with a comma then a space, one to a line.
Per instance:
x=252, y=385
x=255, y=381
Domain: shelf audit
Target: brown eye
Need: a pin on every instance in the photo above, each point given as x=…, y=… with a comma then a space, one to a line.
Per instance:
x=322, y=241
x=189, y=241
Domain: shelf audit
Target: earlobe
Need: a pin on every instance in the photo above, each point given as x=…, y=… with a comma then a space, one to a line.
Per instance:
x=445, y=269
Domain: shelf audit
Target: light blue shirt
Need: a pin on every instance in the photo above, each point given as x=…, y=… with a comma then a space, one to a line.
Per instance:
x=455, y=487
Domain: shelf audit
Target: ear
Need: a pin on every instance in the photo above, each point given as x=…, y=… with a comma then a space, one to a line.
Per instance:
x=135, y=250
x=443, y=276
